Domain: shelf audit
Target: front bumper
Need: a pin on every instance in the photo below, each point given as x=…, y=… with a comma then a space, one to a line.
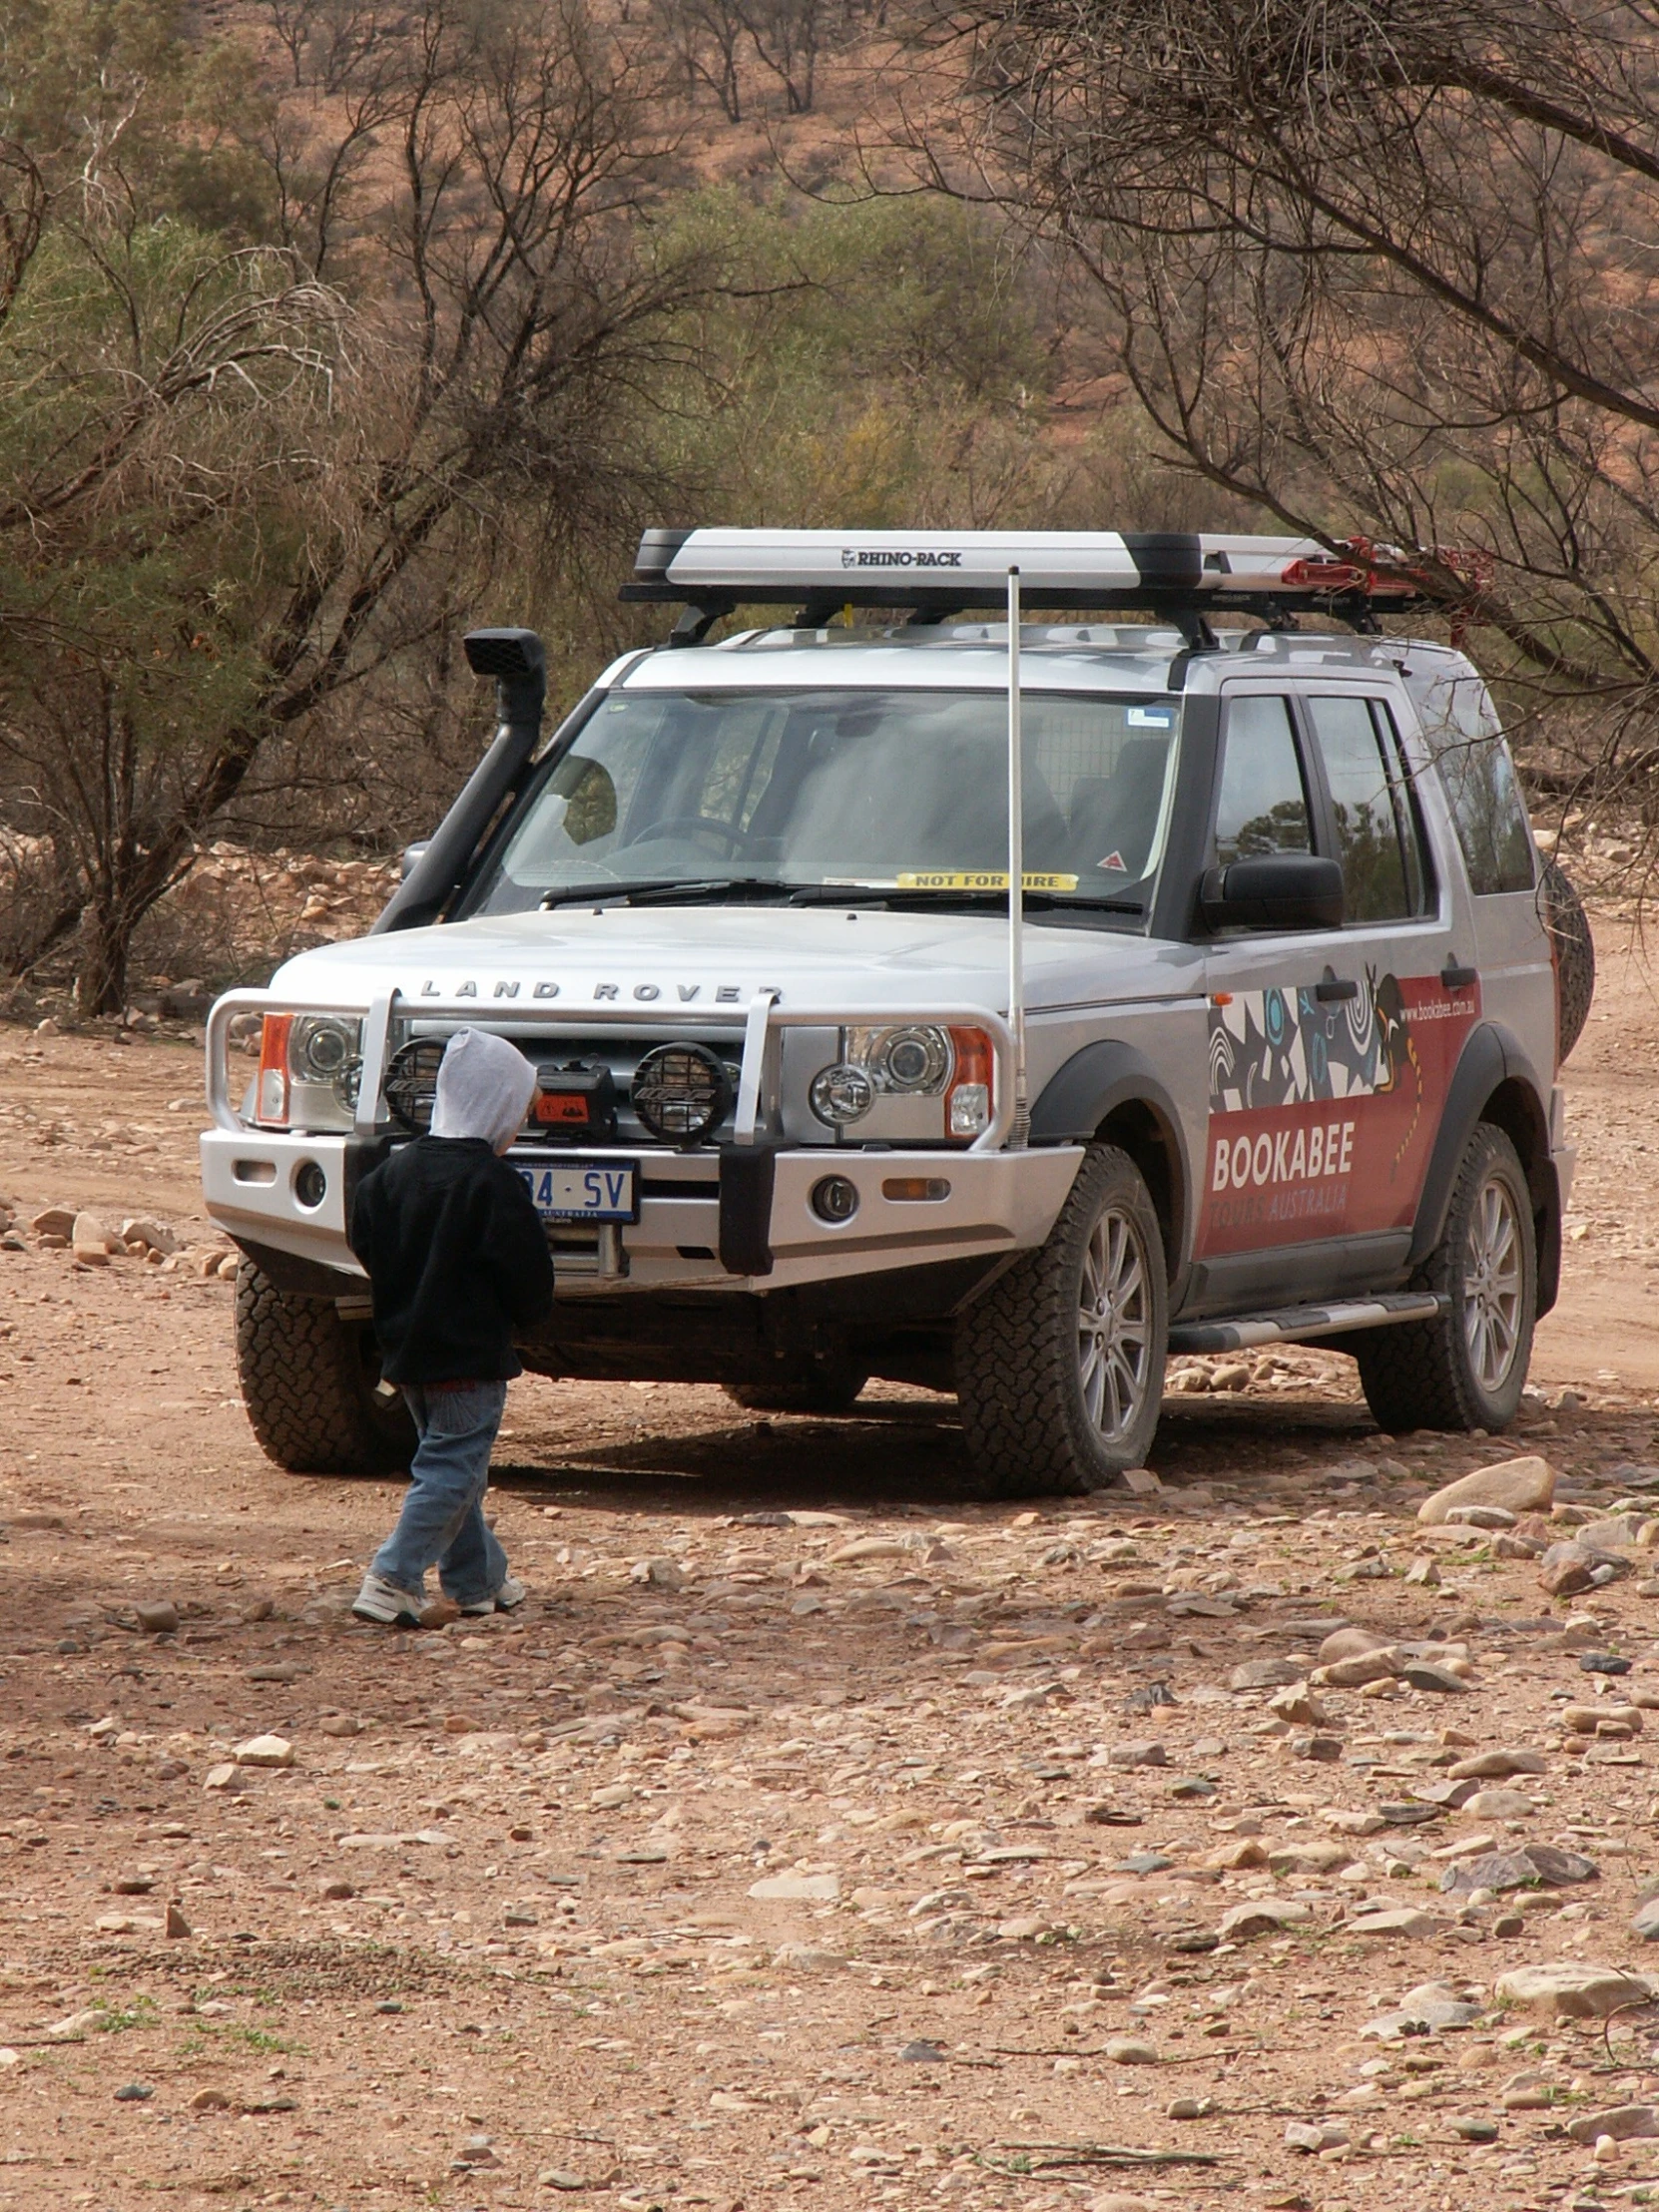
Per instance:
x=993, y=1202
x=738, y=1217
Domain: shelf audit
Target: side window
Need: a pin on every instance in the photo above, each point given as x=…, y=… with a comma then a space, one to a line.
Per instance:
x=1480, y=787
x=1420, y=874
x=1263, y=806
x=1368, y=812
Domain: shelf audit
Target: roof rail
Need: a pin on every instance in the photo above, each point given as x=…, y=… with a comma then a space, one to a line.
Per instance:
x=942, y=572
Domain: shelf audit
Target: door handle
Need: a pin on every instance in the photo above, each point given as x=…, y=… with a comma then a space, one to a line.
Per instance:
x=1457, y=979
x=1335, y=987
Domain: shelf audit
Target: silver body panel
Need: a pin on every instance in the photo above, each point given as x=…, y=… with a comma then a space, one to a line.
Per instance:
x=639, y=975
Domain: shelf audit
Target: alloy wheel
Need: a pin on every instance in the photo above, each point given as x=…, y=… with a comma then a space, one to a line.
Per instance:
x=1493, y=1280
x=1114, y=1325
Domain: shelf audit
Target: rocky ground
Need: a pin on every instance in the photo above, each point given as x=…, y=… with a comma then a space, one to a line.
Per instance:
x=813, y=1838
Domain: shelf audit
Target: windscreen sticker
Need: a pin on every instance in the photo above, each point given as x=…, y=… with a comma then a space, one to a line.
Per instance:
x=1323, y=1113
x=1112, y=864
x=979, y=880
x=1150, y=718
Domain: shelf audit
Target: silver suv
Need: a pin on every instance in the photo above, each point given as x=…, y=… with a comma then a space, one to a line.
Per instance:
x=1263, y=1049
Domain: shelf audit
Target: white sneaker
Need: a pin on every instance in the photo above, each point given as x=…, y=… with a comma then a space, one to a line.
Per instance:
x=382, y=1601
x=506, y=1599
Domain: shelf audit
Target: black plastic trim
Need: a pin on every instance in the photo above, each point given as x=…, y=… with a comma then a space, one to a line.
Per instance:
x=1232, y=1283
x=655, y=554
x=301, y=1278
x=1171, y=603
x=516, y=775
x=1175, y=903
x=1492, y=1058
x=1093, y=1085
x=427, y=888
x=746, y=1176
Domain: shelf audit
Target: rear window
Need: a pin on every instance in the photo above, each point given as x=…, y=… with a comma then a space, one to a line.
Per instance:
x=1480, y=779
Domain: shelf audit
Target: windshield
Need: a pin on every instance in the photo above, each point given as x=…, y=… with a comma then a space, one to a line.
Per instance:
x=896, y=792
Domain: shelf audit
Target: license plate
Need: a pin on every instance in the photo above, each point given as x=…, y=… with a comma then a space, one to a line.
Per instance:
x=583, y=1190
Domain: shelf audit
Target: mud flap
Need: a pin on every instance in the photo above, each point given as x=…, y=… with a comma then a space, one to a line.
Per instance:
x=746, y=1174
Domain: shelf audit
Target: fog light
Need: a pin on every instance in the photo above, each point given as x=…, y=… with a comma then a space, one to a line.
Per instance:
x=310, y=1185
x=835, y=1198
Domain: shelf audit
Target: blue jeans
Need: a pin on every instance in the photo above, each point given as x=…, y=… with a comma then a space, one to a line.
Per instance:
x=442, y=1521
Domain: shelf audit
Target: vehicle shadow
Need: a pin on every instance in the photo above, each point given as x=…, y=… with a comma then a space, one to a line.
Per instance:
x=892, y=1455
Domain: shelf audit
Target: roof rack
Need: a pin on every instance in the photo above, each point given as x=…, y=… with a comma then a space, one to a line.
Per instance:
x=938, y=574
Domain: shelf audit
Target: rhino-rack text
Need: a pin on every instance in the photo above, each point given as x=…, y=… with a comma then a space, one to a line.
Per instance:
x=852, y=558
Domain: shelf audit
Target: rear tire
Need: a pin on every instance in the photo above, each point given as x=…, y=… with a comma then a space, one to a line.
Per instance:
x=311, y=1385
x=1573, y=950
x=1060, y=1364
x=1467, y=1369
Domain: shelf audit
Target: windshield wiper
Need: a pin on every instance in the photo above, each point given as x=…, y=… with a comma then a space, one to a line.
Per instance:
x=647, y=887
x=672, y=891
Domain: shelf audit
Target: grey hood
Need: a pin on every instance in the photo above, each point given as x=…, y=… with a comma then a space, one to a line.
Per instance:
x=485, y=1086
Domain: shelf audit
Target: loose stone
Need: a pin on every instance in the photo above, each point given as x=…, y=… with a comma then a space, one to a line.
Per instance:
x=1625, y=2123
x=1567, y=1990
x=1524, y=1486
x=265, y=1751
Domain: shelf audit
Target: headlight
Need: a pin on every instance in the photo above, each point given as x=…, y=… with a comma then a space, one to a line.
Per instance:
x=915, y=1082
x=325, y=1049
x=914, y=1060
x=309, y=1067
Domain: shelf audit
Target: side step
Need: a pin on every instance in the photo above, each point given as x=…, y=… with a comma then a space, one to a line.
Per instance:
x=1295, y=1324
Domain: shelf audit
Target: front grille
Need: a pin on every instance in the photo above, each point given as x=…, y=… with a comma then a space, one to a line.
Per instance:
x=621, y=1051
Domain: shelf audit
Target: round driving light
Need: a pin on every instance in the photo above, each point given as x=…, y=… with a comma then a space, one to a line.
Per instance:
x=310, y=1185
x=681, y=1092
x=835, y=1198
x=413, y=1083
x=842, y=1094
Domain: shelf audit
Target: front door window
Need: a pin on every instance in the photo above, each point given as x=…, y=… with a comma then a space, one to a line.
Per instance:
x=1264, y=803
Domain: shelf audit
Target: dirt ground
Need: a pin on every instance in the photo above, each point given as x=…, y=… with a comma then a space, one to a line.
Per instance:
x=501, y=1932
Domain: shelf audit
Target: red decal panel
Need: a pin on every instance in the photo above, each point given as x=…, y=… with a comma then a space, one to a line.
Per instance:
x=1323, y=1115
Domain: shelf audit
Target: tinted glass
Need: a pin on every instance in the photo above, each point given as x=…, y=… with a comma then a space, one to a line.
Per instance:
x=1480, y=779
x=883, y=789
x=1351, y=749
x=1263, y=806
x=1408, y=816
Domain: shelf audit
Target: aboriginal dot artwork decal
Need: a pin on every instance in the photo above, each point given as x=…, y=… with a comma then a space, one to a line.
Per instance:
x=1289, y=1048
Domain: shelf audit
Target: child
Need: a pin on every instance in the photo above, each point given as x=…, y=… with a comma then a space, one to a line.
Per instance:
x=456, y=1260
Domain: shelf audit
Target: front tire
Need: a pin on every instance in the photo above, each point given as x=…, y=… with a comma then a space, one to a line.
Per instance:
x=1467, y=1369
x=311, y=1385
x=1060, y=1364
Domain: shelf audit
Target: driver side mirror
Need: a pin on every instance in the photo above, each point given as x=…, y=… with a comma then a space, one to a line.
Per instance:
x=1278, y=890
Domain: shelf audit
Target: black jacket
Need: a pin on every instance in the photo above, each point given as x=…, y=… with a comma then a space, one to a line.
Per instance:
x=458, y=1258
